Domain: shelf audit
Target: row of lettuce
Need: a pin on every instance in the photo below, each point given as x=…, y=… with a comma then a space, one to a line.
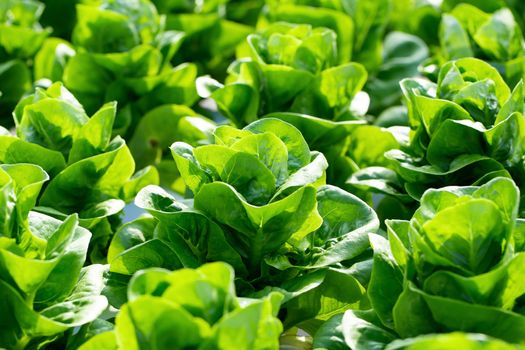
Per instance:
x=319, y=211
x=302, y=251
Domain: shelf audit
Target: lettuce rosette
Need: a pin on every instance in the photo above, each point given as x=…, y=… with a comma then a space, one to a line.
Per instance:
x=191, y=308
x=455, y=266
x=92, y=174
x=127, y=52
x=44, y=289
x=364, y=35
x=465, y=130
x=496, y=37
x=259, y=203
x=289, y=67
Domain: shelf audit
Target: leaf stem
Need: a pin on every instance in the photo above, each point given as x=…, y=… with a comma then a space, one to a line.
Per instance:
x=256, y=253
x=22, y=342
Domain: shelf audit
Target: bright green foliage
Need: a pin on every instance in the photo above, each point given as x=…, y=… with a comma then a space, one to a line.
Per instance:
x=454, y=266
x=288, y=197
x=127, y=52
x=263, y=162
x=44, y=289
x=302, y=53
x=359, y=331
x=291, y=68
x=331, y=17
x=52, y=58
x=496, y=37
x=267, y=180
x=92, y=174
x=191, y=309
x=275, y=223
x=355, y=152
x=360, y=27
x=348, y=145
x=454, y=340
x=466, y=129
x=20, y=38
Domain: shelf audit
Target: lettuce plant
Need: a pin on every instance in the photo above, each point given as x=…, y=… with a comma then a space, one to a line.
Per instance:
x=91, y=173
x=276, y=223
x=264, y=185
x=361, y=29
x=290, y=68
x=332, y=16
x=21, y=36
x=455, y=29
x=278, y=43
x=462, y=272
x=44, y=289
x=195, y=309
x=466, y=129
x=264, y=188
x=495, y=37
x=448, y=269
x=129, y=63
